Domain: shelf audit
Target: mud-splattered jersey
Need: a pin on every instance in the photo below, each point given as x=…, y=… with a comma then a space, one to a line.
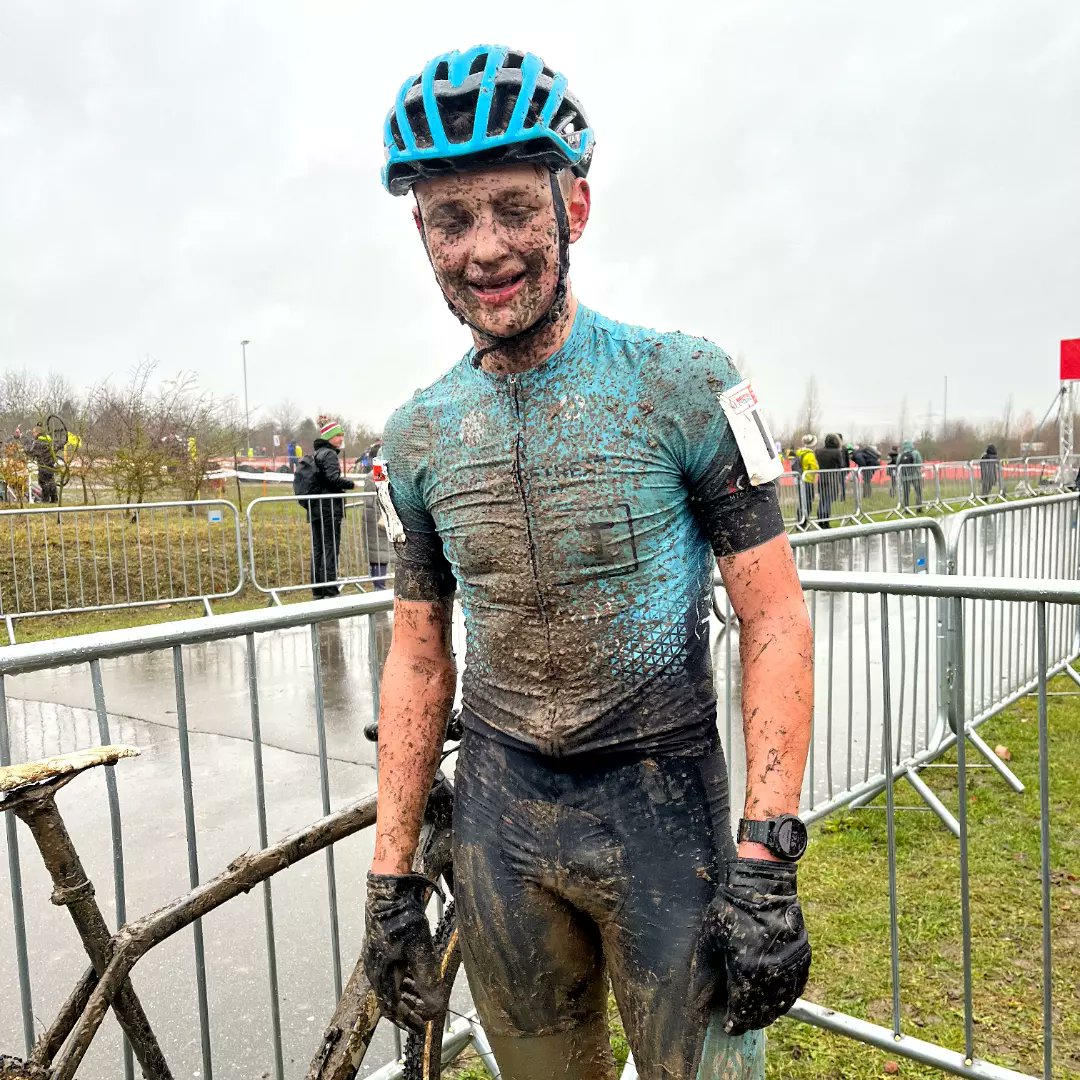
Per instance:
x=577, y=507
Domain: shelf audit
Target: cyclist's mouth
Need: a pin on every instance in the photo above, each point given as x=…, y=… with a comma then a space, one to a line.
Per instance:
x=498, y=291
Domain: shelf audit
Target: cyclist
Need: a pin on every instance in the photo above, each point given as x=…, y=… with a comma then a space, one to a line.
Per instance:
x=573, y=476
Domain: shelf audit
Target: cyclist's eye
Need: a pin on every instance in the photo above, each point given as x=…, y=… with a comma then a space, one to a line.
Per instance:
x=451, y=223
x=516, y=215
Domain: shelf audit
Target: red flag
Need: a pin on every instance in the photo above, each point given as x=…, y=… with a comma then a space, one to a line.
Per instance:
x=1070, y=359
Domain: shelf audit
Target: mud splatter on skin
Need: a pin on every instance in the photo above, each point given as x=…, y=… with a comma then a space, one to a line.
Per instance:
x=777, y=683
x=418, y=684
x=495, y=226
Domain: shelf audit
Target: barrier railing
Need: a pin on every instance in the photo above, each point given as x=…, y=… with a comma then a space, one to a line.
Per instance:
x=1036, y=538
x=332, y=540
x=64, y=560
x=844, y=496
x=56, y=560
x=845, y=757
x=265, y=747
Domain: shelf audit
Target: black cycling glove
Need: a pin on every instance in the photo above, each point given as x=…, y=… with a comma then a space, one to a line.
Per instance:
x=754, y=955
x=399, y=957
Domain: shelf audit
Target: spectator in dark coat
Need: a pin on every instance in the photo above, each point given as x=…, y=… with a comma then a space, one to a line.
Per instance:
x=989, y=470
x=868, y=459
x=894, y=454
x=830, y=460
x=326, y=515
x=40, y=449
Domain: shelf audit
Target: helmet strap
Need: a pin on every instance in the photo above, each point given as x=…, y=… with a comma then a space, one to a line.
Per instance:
x=558, y=300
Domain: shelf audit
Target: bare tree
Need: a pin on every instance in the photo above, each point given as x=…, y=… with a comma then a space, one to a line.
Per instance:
x=149, y=436
x=285, y=418
x=197, y=430
x=810, y=411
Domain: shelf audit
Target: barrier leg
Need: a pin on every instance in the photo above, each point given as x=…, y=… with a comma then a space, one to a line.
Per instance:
x=1003, y=770
x=484, y=1051
x=931, y=800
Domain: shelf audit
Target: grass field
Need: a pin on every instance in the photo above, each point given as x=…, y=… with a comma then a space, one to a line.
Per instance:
x=843, y=884
x=134, y=561
x=50, y=561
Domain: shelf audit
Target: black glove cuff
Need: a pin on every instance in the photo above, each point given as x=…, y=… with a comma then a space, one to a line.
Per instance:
x=763, y=876
x=391, y=888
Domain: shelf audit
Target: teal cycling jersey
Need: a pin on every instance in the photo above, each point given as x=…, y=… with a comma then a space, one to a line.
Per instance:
x=577, y=506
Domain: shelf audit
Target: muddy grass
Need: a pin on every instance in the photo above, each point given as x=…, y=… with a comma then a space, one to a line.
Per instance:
x=843, y=882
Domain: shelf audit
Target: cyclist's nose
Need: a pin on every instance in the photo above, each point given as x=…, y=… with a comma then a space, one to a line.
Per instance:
x=490, y=242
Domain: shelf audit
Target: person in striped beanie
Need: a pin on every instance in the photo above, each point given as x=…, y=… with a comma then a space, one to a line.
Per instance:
x=326, y=515
x=330, y=430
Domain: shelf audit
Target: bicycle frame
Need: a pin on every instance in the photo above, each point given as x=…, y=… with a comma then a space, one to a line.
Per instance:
x=60, y=1051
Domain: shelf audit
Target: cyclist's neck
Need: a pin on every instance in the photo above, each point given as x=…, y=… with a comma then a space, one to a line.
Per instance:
x=535, y=349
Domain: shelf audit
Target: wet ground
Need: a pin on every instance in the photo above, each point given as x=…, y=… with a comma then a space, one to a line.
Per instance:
x=53, y=712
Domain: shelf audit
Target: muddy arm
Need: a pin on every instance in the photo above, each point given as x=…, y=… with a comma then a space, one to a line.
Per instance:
x=417, y=693
x=776, y=648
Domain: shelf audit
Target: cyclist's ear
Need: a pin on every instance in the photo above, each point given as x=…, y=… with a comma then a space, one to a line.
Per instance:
x=578, y=206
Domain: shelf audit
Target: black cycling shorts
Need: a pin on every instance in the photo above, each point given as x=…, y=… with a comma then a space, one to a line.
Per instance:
x=567, y=873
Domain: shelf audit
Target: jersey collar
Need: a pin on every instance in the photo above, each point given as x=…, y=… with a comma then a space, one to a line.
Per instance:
x=569, y=352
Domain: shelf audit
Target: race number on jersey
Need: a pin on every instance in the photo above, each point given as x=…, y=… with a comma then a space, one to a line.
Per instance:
x=756, y=444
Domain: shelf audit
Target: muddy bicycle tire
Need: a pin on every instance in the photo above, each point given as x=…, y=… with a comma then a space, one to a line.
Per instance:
x=423, y=1053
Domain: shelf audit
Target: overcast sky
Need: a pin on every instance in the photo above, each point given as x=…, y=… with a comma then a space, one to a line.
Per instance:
x=882, y=195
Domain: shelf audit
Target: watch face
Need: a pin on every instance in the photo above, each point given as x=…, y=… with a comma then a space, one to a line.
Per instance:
x=790, y=836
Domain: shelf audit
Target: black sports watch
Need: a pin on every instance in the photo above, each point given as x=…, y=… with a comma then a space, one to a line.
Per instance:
x=784, y=836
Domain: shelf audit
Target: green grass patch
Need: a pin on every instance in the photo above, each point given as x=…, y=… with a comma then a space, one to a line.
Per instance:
x=843, y=882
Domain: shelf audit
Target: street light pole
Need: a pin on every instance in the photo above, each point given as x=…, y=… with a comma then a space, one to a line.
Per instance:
x=247, y=419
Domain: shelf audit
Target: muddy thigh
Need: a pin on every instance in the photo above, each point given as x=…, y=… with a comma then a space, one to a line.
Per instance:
x=569, y=874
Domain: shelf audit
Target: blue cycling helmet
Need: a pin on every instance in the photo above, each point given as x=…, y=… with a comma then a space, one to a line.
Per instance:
x=488, y=105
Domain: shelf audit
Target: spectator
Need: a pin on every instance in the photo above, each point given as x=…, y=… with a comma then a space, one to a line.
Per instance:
x=326, y=515
x=41, y=450
x=380, y=551
x=989, y=470
x=868, y=460
x=805, y=465
x=845, y=464
x=293, y=450
x=909, y=467
x=831, y=462
x=894, y=453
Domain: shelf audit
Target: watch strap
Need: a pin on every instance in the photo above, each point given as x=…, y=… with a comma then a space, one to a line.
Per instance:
x=755, y=832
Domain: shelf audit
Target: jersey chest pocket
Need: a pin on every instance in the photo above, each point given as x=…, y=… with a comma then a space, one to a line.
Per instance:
x=597, y=544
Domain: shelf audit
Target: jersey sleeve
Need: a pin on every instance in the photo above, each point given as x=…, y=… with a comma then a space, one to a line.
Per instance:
x=727, y=455
x=422, y=571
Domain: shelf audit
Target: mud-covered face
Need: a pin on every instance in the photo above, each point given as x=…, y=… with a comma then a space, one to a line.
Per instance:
x=493, y=239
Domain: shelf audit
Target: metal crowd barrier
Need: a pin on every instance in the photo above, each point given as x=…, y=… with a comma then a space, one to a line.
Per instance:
x=294, y=540
x=1037, y=538
x=847, y=496
x=845, y=758
x=294, y=757
x=61, y=560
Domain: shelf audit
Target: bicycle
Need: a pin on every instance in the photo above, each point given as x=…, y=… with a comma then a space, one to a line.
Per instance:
x=29, y=791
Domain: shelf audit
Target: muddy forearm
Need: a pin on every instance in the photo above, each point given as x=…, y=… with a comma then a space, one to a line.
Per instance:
x=776, y=650
x=417, y=694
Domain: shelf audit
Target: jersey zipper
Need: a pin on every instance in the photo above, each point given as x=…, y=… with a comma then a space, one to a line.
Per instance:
x=519, y=483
